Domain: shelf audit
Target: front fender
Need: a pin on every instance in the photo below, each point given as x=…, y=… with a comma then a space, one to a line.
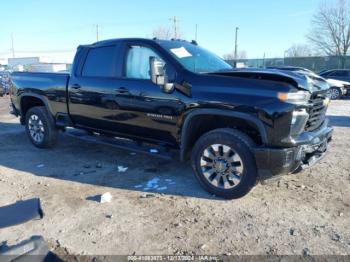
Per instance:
x=253, y=120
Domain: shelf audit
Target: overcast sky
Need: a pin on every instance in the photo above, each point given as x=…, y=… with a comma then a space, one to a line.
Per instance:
x=55, y=28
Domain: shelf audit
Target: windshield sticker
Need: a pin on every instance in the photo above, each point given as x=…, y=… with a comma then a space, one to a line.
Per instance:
x=180, y=52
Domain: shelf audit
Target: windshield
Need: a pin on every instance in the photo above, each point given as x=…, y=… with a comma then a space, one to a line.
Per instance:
x=195, y=58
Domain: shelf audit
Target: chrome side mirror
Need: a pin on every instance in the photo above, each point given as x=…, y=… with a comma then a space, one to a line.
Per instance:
x=158, y=75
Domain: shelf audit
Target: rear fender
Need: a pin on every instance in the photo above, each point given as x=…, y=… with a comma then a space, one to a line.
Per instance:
x=42, y=98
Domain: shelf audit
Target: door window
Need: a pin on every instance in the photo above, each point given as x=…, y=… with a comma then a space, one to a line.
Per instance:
x=100, y=62
x=137, y=63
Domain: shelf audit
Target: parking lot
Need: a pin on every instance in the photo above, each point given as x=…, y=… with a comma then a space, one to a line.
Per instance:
x=159, y=208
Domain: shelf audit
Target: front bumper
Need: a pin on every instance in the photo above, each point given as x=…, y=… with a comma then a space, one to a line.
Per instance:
x=309, y=148
x=344, y=91
x=347, y=91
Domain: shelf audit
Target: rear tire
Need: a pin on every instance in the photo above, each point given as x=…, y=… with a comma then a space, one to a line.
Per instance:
x=334, y=93
x=40, y=127
x=224, y=164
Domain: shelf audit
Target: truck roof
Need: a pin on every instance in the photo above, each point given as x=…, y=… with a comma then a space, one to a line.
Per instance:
x=141, y=40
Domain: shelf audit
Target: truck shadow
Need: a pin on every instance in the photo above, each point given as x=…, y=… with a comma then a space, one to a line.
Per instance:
x=339, y=121
x=88, y=163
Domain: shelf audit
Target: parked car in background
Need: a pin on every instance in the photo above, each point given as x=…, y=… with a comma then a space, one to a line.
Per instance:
x=337, y=74
x=337, y=88
x=5, y=82
x=291, y=69
x=2, y=90
x=339, y=80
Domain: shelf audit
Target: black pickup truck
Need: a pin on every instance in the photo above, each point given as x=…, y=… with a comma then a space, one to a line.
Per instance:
x=237, y=127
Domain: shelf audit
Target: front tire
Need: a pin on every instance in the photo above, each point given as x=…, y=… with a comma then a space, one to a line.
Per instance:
x=40, y=127
x=224, y=164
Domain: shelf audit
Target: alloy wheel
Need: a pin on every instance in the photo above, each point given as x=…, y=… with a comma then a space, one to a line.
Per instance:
x=222, y=166
x=36, y=128
x=334, y=93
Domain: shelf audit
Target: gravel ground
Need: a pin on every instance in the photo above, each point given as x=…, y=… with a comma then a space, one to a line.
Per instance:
x=306, y=213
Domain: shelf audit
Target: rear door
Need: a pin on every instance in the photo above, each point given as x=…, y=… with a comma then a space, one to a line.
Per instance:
x=93, y=90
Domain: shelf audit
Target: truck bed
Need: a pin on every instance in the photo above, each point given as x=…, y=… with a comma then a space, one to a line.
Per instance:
x=50, y=86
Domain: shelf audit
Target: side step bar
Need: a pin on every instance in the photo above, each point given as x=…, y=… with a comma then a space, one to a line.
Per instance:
x=122, y=143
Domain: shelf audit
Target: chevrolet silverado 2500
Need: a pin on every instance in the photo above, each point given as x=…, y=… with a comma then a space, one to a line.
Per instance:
x=237, y=127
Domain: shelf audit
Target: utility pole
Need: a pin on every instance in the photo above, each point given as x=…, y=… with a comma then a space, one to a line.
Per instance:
x=264, y=65
x=284, y=57
x=175, y=21
x=96, y=32
x=236, y=46
x=196, y=34
x=12, y=46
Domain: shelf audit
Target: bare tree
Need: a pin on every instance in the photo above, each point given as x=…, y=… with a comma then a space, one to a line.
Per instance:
x=240, y=55
x=164, y=33
x=229, y=56
x=298, y=50
x=330, y=30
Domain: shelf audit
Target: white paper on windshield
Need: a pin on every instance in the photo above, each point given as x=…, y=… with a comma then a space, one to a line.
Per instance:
x=180, y=52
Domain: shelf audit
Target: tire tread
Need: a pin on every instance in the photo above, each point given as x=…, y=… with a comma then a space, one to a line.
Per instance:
x=50, y=138
x=227, y=134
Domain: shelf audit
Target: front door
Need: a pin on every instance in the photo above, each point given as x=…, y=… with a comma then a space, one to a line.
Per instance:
x=155, y=113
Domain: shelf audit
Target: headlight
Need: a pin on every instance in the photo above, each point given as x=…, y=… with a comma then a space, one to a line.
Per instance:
x=299, y=120
x=297, y=98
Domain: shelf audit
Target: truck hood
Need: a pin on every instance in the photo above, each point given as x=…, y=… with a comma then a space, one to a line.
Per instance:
x=299, y=79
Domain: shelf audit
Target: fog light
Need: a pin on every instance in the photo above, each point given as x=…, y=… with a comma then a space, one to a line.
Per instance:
x=289, y=158
x=299, y=120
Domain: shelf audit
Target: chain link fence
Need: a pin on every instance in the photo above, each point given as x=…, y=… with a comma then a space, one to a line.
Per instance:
x=316, y=64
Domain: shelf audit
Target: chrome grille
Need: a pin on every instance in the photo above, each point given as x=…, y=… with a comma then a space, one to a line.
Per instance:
x=317, y=112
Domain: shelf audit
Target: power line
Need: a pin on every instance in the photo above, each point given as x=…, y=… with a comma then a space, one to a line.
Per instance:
x=76, y=29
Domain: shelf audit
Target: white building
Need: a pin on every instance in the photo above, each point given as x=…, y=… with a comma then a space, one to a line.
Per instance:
x=23, y=61
x=35, y=64
x=3, y=61
x=47, y=67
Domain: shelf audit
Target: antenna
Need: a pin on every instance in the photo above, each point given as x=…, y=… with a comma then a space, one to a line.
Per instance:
x=96, y=32
x=175, y=21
